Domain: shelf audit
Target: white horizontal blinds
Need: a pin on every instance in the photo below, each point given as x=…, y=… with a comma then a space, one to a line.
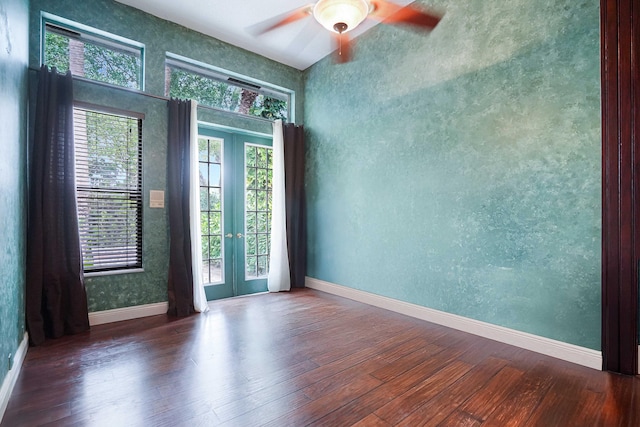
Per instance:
x=109, y=189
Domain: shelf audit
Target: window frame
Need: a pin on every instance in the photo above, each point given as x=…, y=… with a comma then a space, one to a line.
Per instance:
x=269, y=201
x=140, y=223
x=234, y=79
x=221, y=211
x=96, y=37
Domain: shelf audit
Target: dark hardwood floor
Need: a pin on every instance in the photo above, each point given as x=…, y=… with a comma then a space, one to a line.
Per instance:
x=306, y=358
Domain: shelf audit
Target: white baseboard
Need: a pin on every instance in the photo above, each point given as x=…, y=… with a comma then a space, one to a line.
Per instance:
x=12, y=376
x=558, y=349
x=127, y=313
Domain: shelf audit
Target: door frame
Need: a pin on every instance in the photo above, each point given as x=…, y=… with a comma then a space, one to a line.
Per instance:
x=233, y=163
x=244, y=286
x=620, y=73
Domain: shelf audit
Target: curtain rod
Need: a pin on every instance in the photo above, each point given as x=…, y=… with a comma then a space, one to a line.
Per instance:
x=160, y=97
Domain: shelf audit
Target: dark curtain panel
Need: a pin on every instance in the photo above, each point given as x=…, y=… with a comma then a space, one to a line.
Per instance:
x=56, y=299
x=180, y=286
x=295, y=202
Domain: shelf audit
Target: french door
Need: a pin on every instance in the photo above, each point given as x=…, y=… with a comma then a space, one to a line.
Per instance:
x=235, y=211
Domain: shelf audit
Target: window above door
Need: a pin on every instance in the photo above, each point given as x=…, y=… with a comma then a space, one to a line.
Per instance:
x=227, y=91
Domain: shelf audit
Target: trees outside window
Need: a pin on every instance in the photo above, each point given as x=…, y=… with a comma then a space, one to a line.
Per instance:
x=212, y=91
x=93, y=58
x=108, y=150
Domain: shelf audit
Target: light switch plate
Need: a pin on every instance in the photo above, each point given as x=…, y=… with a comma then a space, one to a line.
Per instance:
x=156, y=199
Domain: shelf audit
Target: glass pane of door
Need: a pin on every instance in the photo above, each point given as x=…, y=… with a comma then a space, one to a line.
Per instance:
x=216, y=212
x=256, y=166
x=210, y=165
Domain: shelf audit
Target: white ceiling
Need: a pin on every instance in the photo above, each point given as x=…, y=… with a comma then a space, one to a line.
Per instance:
x=299, y=45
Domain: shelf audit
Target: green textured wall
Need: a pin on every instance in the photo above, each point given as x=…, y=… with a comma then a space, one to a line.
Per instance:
x=14, y=30
x=159, y=36
x=461, y=170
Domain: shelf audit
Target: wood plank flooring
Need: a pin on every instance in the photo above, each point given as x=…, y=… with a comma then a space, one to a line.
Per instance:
x=306, y=358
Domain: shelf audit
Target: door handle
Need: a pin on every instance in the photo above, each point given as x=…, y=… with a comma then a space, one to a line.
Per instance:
x=239, y=235
x=228, y=235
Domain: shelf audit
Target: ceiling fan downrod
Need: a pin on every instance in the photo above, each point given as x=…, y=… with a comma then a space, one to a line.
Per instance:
x=340, y=28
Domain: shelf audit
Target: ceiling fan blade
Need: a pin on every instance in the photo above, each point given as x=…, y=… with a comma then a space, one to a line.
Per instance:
x=343, y=51
x=280, y=20
x=308, y=32
x=391, y=13
x=383, y=9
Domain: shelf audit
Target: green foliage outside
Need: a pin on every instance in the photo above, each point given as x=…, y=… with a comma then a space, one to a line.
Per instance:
x=113, y=150
x=108, y=178
x=269, y=108
x=210, y=156
x=56, y=52
x=258, y=205
x=110, y=66
x=101, y=64
x=207, y=91
x=187, y=85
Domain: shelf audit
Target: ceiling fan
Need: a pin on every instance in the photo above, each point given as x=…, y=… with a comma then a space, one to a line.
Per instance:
x=342, y=16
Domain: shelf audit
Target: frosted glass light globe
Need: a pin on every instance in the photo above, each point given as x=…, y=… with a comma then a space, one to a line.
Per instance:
x=349, y=12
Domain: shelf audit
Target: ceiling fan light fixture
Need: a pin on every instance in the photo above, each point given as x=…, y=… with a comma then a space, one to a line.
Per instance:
x=341, y=16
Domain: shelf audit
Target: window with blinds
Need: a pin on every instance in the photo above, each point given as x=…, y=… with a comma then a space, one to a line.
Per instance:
x=109, y=189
